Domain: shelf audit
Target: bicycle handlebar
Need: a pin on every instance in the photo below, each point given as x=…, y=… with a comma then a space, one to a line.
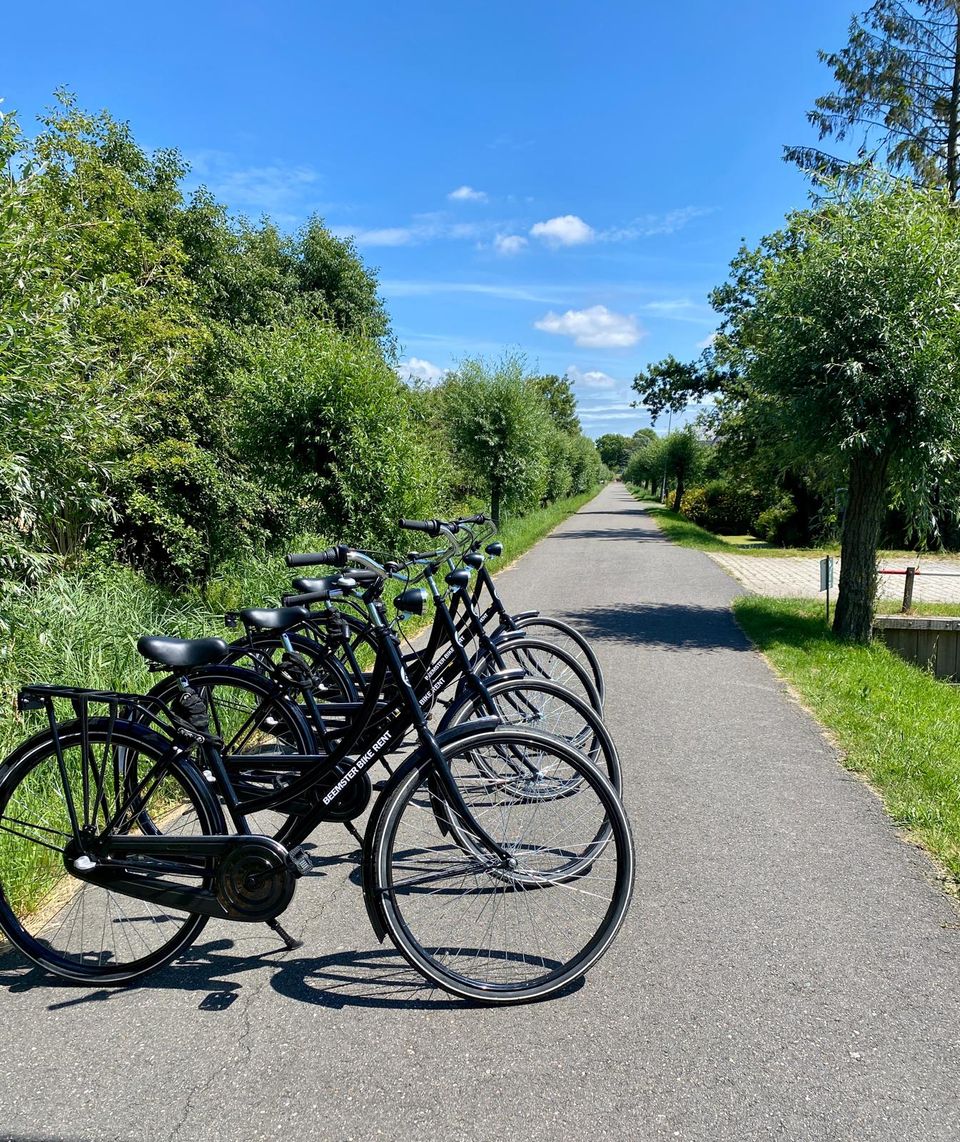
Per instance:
x=333, y=557
x=430, y=526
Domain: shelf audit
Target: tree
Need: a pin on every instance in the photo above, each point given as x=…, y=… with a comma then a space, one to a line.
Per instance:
x=646, y=464
x=683, y=456
x=557, y=392
x=498, y=423
x=341, y=288
x=843, y=333
x=614, y=449
x=898, y=87
x=672, y=385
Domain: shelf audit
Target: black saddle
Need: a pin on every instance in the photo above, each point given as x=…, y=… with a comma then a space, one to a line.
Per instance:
x=309, y=586
x=277, y=618
x=182, y=652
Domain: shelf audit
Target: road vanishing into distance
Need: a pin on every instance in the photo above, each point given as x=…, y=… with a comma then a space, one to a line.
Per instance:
x=789, y=968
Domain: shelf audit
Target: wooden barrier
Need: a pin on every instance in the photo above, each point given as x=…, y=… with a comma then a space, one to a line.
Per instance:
x=931, y=642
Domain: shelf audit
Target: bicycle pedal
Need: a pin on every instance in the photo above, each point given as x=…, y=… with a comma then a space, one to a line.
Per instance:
x=302, y=861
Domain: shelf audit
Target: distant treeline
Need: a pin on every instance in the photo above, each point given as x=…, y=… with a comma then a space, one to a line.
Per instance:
x=179, y=387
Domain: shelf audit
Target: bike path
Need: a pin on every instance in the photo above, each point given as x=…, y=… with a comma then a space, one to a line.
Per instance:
x=788, y=968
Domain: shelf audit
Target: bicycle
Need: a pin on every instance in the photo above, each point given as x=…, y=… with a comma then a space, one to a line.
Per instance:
x=525, y=907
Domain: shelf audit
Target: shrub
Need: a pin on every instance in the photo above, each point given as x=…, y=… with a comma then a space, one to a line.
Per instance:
x=780, y=524
x=722, y=507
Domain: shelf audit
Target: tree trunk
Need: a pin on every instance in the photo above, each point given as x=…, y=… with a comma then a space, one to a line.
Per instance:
x=866, y=506
x=495, y=500
x=679, y=496
x=953, y=165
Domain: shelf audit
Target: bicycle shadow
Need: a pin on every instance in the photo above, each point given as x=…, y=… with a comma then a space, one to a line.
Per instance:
x=362, y=978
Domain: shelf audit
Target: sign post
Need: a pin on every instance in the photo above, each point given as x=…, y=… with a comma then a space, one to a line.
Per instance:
x=826, y=579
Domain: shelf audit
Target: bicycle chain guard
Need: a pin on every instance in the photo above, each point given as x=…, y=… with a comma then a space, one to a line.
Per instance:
x=254, y=881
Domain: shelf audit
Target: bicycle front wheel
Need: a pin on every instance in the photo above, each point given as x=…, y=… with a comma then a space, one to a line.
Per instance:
x=504, y=931
x=78, y=930
x=538, y=658
x=542, y=704
x=563, y=634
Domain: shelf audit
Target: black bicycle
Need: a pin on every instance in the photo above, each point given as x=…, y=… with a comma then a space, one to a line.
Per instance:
x=497, y=858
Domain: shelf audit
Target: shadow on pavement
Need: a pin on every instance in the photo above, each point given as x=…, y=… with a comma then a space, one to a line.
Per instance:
x=370, y=977
x=666, y=626
x=631, y=533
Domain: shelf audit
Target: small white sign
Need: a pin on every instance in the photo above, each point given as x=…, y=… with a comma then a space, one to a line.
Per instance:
x=826, y=573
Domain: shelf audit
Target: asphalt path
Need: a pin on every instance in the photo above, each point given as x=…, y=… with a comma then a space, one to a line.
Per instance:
x=788, y=968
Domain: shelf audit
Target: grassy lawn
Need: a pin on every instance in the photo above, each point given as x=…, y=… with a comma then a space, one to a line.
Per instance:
x=896, y=725
x=688, y=534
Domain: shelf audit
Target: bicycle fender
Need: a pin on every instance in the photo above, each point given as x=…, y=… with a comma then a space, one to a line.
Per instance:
x=504, y=638
x=416, y=760
x=521, y=615
x=65, y=728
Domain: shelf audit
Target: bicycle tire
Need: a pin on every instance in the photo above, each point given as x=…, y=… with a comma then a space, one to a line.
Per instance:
x=542, y=704
x=541, y=659
x=39, y=916
x=263, y=721
x=417, y=871
x=540, y=626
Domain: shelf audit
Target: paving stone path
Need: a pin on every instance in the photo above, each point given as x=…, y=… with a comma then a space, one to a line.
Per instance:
x=788, y=970
x=799, y=577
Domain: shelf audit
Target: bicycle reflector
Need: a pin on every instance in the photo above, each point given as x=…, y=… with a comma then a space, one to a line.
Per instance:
x=411, y=601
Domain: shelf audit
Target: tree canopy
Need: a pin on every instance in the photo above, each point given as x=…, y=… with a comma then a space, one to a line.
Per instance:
x=839, y=347
x=897, y=94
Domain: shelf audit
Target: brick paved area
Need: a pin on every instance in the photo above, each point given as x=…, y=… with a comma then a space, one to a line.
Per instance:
x=799, y=577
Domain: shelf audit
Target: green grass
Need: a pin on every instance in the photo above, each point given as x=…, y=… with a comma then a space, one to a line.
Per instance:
x=896, y=725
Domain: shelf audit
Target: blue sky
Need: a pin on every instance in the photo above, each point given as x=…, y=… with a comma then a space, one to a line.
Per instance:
x=566, y=180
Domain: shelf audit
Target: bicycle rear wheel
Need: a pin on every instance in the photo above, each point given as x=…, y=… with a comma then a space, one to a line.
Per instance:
x=75, y=929
x=502, y=932
x=256, y=723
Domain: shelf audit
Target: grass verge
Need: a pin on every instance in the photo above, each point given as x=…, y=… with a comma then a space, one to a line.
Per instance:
x=896, y=725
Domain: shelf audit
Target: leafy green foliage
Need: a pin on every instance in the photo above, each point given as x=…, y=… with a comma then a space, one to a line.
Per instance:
x=723, y=507
x=614, y=449
x=897, y=88
x=506, y=440
x=557, y=393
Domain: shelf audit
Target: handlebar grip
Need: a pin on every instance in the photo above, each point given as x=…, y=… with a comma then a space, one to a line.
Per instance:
x=307, y=597
x=333, y=557
x=430, y=526
x=481, y=518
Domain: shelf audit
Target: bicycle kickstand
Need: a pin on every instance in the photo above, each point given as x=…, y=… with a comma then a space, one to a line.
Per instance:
x=290, y=941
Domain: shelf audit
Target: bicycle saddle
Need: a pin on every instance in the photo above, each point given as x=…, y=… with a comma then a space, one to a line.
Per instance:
x=182, y=652
x=277, y=618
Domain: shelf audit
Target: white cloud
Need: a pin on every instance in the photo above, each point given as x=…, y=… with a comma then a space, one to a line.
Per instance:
x=592, y=379
x=509, y=244
x=388, y=236
x=423, y=228
x=593, y=328
x=274, y=188
x=400, y=287
x=467, y=194
x=707, y=341
x=650, y=225
x=566, y=230
x=415, y=369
